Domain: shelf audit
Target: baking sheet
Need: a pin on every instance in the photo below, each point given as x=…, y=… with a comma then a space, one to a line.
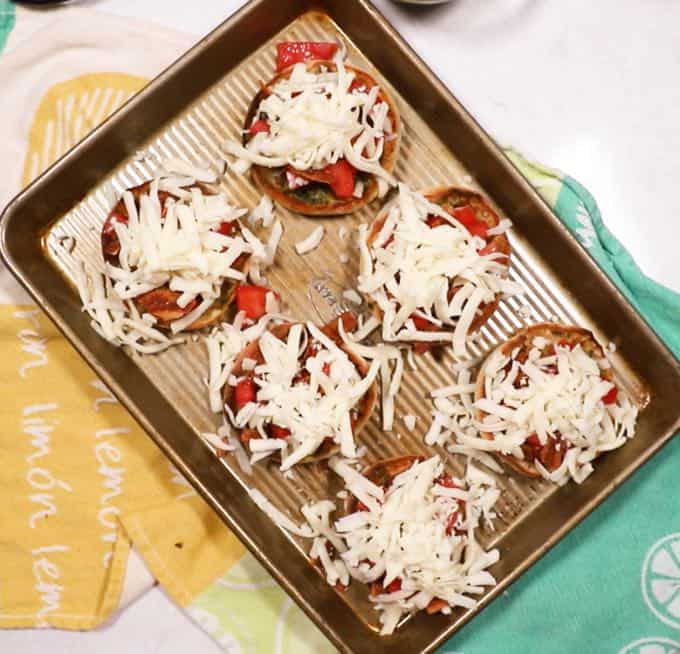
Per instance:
x=188, y=113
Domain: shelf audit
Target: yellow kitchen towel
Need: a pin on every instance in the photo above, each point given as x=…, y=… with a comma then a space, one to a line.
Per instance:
x=80, y=481
x=75, y=466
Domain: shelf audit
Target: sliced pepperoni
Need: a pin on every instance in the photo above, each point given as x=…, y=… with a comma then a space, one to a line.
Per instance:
x=162, y=303
x=110, y=242
x=259, y=126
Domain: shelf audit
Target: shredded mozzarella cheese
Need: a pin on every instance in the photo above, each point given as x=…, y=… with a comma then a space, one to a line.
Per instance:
x=116, y=320
x=352, y=296
x=410, y=268
x=389, y=360
x=224, y=344
x=311, y=241
x=410, y=421
x=315, y=119
x=420, y=532
x=313, y=408
x=263, y=212
x=559, y=394
x=175, y=244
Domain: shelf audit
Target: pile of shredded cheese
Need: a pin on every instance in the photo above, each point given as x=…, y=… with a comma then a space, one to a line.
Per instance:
x=224, y=344
x=406, y=533
x=390, y=360
x=118, y=321
x=403, y=534
x=311, y=410
x=314, y=120
x=559, y=393
x=181, y=250
x=413, y=272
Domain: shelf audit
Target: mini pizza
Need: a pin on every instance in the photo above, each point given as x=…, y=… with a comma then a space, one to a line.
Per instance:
x=299, y=393
x=322, y=136
x=547, y=400
x=435, y=265
x=179, y=253
x=409, y=535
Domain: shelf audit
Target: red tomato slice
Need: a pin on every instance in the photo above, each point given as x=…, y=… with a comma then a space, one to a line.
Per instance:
x=446, y=481
x=468, y=218
x=293, y=52
x=490, y=248
x=343, y=174
x=422, y=324
x=393, y=586
x=610, y=396
x=451, y=522
x=252, y=299
x=361, y=506
x=533, y=440
x=227, y=228
x=339, y=176
x=244, y=392
x=279, y=432
x=259, y=126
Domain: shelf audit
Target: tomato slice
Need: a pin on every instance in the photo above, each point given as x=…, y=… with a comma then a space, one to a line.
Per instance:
x=421, y=324
x=227, y=228
x=340, y=176
x=446, y=481
x=610, y=396
x=253, y=300
x=293, y=52
x=533, y=440
x=245, y=392
x=279, y=432
x=361, y=506
x=468, y=218
x=259, y=126
x=451, y=522
x=393, y=586
x=343, y=175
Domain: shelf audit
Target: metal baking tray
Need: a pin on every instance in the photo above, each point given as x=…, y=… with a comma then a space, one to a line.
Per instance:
x=188, y=111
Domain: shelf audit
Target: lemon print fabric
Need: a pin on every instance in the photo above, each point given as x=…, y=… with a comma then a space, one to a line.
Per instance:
x=652, y=646
x=247, y=612
x=70, y=110
x=661, y=580
x=85, y=481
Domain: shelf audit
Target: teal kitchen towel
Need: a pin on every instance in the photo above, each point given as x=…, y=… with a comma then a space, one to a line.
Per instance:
x=613, y=584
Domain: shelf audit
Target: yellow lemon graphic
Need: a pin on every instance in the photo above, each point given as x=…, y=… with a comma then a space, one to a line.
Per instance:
x=69, y=111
